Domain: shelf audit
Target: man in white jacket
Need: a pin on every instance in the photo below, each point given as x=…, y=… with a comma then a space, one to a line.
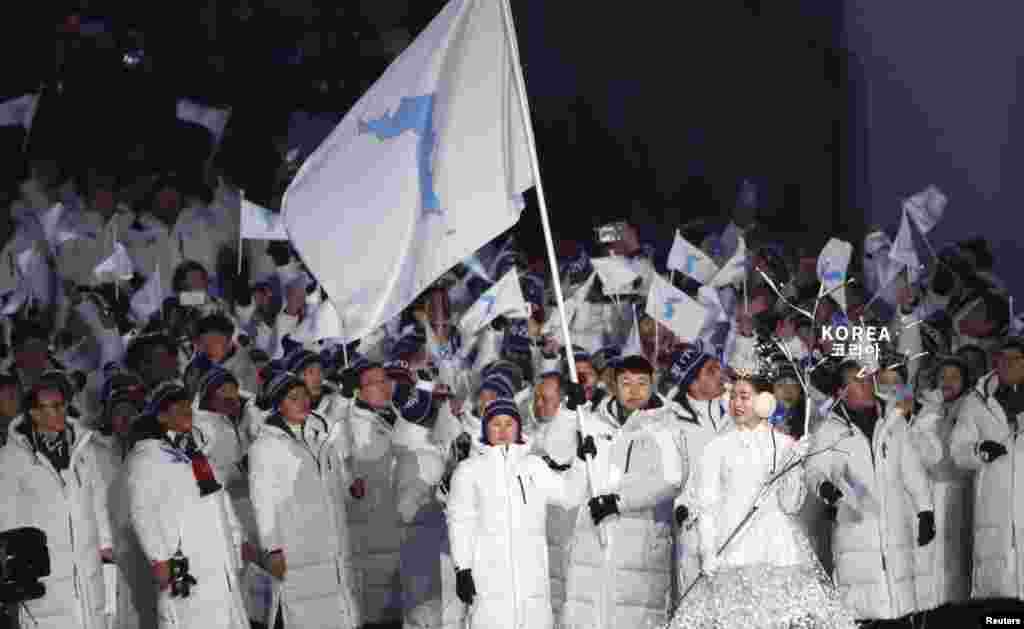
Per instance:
x=869, y=469
x=620, y=564
x=179, y=513
x=985, y=441
x=50, y=480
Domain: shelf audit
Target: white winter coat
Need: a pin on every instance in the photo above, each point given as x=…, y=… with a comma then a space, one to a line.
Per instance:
x=875, y=535
x=496, y=520
x=998, y=505
x=70, y=508
x=628, y=584
x=168, y=513
x=297, y=501
x=700, y=421
x=944, y=567
x=374, y=522
x=136, y=599
x=428, y=574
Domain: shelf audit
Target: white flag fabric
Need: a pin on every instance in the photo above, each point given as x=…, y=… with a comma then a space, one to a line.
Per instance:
x=118, y=264
x=617, y=276
x=213, y=119
x=19, y=112
x=734, y=269
x=260, y=223
x=55, y=229
x=503, y=299
x=634, y=346
x=320, y=324
x=904, y=254
x=553, y=325
x=686, y=258
x=36, y=275
x=877, y=245
x=149, y=299
x=833, y=262
x=427, y=166
x=674, y=308
x=926, y=208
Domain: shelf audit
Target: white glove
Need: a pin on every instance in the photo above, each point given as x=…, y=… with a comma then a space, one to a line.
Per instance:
x=802, y=446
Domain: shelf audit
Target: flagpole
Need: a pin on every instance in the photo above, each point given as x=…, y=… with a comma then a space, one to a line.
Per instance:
x=510, y=32
x=241, y=202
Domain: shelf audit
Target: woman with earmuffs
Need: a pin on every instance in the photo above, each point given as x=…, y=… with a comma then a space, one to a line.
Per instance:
x=296, y=497
x=497, y=515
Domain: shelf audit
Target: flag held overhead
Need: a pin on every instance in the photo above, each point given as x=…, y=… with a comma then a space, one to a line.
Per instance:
x=427, y=166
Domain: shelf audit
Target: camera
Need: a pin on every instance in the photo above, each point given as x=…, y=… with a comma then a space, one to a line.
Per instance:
x=181, y=580
x=611, y=232
x=24, y=559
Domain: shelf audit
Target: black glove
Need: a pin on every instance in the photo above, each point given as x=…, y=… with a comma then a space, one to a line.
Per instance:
x=555, y=466
x=991, y=450
x=682, y=514
x=242, y=291
x=577, y=396
x=603, y=506
x=829, y=493
x=279, y=252
x=925, y=527
x=943, y=281
x=461, y=446
x=585, y=446
x=465, y=588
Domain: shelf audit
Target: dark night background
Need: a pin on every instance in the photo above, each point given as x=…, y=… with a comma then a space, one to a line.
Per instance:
x=654, y=111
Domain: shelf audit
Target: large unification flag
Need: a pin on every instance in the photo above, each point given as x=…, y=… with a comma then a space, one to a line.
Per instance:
x=260, y=223
x=428, y=166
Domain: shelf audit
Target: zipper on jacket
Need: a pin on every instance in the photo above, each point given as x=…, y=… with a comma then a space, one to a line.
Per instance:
x=522, y=488
x=629, y=454
x=711, y=418
x=71, y=531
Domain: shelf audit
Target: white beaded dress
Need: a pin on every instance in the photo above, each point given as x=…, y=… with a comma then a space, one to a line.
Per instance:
x=767, y=577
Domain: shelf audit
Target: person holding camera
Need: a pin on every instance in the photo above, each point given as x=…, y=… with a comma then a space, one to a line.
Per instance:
x=296, y=498
x=51, y=481
x=184, y=522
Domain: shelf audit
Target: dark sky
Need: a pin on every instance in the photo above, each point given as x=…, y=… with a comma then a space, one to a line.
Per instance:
x=655, y=112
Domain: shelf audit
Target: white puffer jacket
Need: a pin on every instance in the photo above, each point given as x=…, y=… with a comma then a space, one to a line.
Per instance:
x=428, y=584
x=875, y=534
x=998, y=507
x=136, y=599
x=167, y=514
x=374, y=522
x=628, y=584
x=296, y=496
x=944, y=568
x=496, y=519
x=70, y=507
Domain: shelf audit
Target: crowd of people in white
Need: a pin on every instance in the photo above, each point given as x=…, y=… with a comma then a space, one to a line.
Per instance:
x=205, y=459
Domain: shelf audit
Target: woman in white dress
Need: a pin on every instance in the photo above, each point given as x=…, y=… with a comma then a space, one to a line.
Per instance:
x=758, y=571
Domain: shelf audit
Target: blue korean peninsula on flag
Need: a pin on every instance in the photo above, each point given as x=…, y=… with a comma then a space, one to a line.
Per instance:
x=427, y=166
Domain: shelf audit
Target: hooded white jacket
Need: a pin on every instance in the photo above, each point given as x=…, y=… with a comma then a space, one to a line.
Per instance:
x=875, y=534
x=296, y=498
x=628, y=584
x=70, y=507
x=496, y=519
x=168, y=514
x=998, y=506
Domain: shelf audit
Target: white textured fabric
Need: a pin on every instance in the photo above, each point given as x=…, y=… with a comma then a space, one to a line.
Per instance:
x=71, y=509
